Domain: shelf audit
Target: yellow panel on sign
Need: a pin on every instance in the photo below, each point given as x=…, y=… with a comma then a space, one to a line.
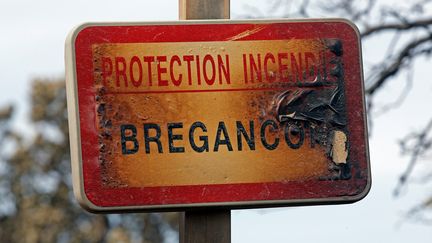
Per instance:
x=206, y=112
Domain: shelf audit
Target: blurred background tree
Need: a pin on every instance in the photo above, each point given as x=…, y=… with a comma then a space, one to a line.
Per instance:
x=407, y=25
x=36, y=201
x=36, y=191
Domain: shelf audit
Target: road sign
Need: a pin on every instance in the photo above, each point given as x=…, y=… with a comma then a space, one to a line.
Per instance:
x=216, y=113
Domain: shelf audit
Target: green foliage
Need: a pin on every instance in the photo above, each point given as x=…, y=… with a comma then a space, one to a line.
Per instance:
x=36, y=189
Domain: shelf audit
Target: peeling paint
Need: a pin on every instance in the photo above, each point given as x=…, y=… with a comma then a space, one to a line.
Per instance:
x=339, y=150
x=321, y=107
x=317, y=105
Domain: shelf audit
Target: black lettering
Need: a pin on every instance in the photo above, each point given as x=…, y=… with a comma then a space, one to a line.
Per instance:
x=155, y=139
x=172, y=137
x=222, y=129
x=293, y=129
x=204, y=139
x=250, y=140
x=263, y=135
x=131, y=138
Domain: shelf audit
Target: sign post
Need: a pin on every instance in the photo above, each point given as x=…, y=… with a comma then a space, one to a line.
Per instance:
x=205, y=225
x=213, y=114
x=205, y=116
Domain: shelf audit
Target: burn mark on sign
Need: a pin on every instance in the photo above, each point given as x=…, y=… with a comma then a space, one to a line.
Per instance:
x=107, y=111
x=321, y=108
x=317, y=105
x=334, y=45
x=307, y=119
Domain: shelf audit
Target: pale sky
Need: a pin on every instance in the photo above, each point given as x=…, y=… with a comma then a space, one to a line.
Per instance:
x=32, y=45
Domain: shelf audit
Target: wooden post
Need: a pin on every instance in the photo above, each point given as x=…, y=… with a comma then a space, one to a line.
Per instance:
x=205, y=226
x=204, y=9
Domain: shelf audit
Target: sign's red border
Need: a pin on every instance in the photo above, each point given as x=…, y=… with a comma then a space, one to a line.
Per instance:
x=81, y=104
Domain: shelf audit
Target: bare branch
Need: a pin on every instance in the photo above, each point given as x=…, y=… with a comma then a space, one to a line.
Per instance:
x=393, y=43
x=417, y=213
x=351, y=9
x=365, y=11
x=396, y=65
x=303, y=8
x=421, y=143
x=401, y=98
x=398, y=26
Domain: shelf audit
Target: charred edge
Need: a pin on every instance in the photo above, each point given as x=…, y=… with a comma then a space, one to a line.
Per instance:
x=335, y=46
x=103, y=130
x=342, y=170
x=105, y=137
x=323, y=111
x=104, y=109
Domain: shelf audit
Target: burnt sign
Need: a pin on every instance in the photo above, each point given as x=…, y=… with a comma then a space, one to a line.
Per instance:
x=228, y=113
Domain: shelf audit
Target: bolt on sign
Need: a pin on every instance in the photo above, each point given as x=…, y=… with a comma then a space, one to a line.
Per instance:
x=238, y=114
